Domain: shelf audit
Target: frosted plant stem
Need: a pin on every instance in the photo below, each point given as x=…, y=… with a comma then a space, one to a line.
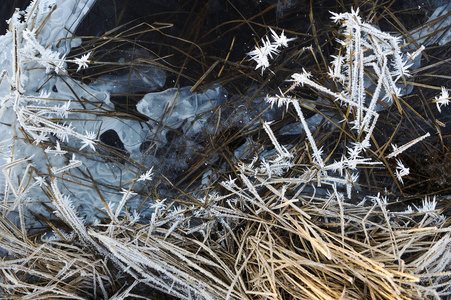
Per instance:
x=126, y=194
x=73, y=163
x=407, y=146
x=282, y=152
x=376, y=94
x=68, y=214
x=358, y=88
x=366, y=140
x=7, y=172
x=316, y=152
x=303, y=79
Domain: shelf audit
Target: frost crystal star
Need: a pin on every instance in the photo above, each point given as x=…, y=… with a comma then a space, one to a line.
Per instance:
x=83, y=61
x=40, y=181
x=88, y=140
x=282, y=40
x=401, y=170
x=443, y=99
x=146, y=176
x=262, y=54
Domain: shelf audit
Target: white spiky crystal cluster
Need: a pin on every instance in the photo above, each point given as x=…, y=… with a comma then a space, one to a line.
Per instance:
x=365, y=50
x=50, y=126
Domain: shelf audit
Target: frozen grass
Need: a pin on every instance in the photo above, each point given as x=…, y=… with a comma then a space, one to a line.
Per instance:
x=275, y=254
x=282, y=220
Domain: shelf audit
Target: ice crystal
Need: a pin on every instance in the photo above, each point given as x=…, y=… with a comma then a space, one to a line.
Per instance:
x=401, y=170
x=146, y=176
x=262, y=54
x=83, y=61
x=280, y=40
x=443, y=99
x=88, y=140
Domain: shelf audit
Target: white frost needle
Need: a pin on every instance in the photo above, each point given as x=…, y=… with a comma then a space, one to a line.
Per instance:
x=443, y=99
x=40, y=181
x=44, y=95
x=428, y=205
x=280, y=40
x=63, y=110
x=281, y=100
x=49, y=59
x=56, y=151
x=73, y=163
x=316, y=151
x=404, y=147
x=282, y=151
x=146, y=176
x=88, y=140
x=135, y=217
x=41, y=137
x=83, y=61
x=268, y=48
x=259, y=56
x=262, y=54
x=126, y=194
x=401, y=170
x=158, y=205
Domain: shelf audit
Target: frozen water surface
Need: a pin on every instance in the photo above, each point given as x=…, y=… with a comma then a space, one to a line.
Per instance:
x=48, y=132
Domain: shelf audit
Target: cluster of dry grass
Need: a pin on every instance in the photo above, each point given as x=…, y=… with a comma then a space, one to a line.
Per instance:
x=267, y=253
x=290, y=241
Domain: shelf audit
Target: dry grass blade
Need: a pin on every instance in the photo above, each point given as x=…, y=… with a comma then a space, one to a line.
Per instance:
x=300, y=201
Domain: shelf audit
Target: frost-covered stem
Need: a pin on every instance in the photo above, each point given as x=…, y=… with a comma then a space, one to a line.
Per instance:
x=126, y=194
x=375, y=97
x=316, y=152
x=16, y=60
x=251, y=187
x=340, y=205
x=366, y=140
x=73, y=163
x=356, y=62
x=407, y=146
x=7, y=168
x=68, y=214
x=416, y=53
x=303, y=79
x=282, y=151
